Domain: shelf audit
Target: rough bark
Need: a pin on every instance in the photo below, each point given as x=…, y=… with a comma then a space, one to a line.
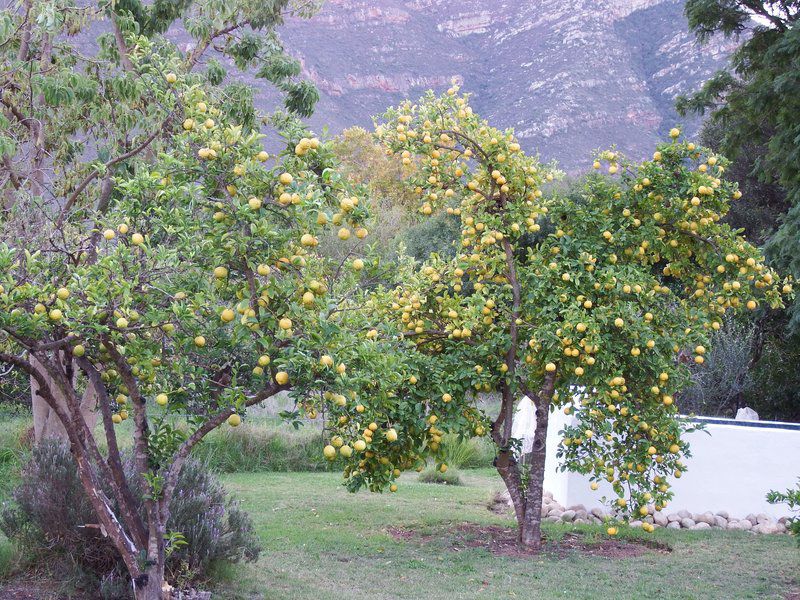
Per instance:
x=527, y=499
x=148, y=585
x=531, y=525
x=508, y=470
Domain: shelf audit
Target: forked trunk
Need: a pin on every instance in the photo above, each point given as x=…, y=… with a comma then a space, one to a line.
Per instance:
x=527, y=501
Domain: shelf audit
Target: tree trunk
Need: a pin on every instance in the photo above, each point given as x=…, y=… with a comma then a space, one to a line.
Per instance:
x=148, y=586
x=531, y=526
x=508, y=468
x=527, y=500
x=152, y=582
x=46, y=423
x=527, y=503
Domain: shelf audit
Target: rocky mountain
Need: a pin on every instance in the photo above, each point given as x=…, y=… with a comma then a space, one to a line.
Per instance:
x=569, y=76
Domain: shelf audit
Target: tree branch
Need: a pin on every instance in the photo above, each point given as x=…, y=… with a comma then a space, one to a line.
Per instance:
x=171, y=476
x=12, y=175
x=17, y=113
x=94, y=174
x=142, y=429
x=25, y=41
x=758, y=8
x=200, y=49
x=128, y=506
x=511, y=353
x=122, y=47
x=471, y=142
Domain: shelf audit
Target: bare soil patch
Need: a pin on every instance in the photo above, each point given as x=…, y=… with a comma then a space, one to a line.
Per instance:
x=35, y=588
x=502, y=541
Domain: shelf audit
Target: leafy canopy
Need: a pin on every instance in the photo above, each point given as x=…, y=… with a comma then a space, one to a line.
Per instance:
x=202, y=291
x=754, y=104
x=594, y=304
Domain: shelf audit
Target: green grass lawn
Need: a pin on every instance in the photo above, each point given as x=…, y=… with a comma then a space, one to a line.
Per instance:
x=321, y=542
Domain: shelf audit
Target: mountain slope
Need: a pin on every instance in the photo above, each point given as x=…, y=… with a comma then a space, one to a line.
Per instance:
x=568, y=76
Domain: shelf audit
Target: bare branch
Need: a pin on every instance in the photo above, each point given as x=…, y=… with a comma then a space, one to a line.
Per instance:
x=12, y=175
x=122, y=47
x=200, y=49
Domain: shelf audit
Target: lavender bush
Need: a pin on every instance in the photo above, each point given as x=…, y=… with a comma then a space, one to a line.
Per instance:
x=50, y=515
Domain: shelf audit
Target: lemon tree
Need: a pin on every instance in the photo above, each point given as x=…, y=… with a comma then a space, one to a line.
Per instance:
x=198, y=291
x=592, y=305
x=74, y=116
x=75, y=123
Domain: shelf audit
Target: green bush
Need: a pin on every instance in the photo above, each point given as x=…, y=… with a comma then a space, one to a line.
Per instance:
x=15, y=440
x=751, y=362
x=8, y=559
x=50, y=516
x=435, y=235
x=792, y=499
x=467, y=453
x=433, y=475
x=721, y=382
x=261, y=446
x=15, y=387
x=775, y=394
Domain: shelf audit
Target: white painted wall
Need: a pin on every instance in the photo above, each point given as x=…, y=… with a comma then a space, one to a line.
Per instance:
x=732, y=468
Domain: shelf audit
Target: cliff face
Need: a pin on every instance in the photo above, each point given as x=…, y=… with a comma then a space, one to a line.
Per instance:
x=569, y=76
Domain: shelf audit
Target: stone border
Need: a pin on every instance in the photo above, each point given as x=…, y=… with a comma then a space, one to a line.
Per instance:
x=554, y=512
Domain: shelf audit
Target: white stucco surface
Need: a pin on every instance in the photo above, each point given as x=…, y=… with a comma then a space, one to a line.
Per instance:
x=733, y=466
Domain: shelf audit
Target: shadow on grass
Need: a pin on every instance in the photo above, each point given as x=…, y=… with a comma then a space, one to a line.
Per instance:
x=503, y=541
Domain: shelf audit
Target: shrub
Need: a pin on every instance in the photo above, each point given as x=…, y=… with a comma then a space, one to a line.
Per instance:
x=433, y=475
x=15, y=387
x=436, y=235
x=466, y=453
x=750, y=363
x=210, y=522
x=15, y=441
x=50, y=511
x=791, y=498
x=260, y=446
x=720, y=383
x=775, y=393
x=8, y=559
x=50, y=515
